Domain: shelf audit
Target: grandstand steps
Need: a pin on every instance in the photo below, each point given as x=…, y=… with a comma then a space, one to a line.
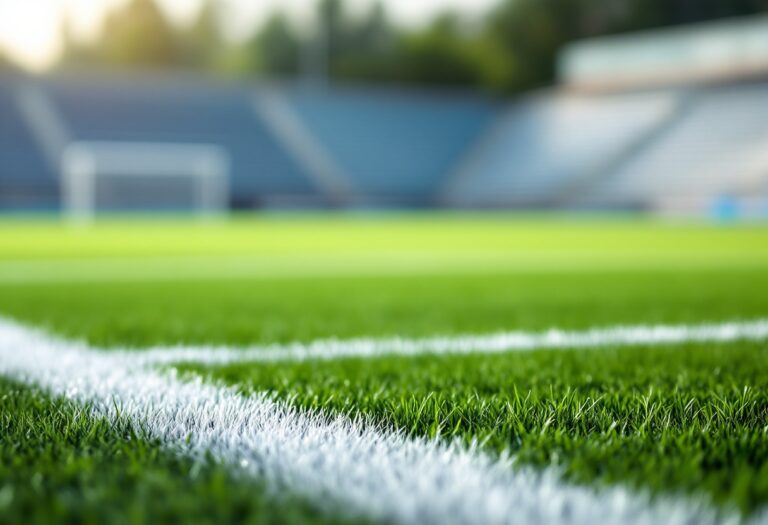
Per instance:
x=396, y=146
x=545, y=147
x=715, y=151
x=26, y=179
x=362, y=147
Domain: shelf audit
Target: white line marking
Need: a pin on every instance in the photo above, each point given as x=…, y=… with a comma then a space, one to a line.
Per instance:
x=338, y=463
x=464, y=344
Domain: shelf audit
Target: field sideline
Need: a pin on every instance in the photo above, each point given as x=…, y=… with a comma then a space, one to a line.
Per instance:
x=422, y=412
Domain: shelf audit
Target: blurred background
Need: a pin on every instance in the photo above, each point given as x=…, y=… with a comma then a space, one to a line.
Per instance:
x=653, y=106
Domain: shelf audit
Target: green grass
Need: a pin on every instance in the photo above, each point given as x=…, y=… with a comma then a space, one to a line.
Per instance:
x=58, y=464
x=283, y=278
x=691, y=418
x=332, y=245
x=596, y=238
x=250, y=311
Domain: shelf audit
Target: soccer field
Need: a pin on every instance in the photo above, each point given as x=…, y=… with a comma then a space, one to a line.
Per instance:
x=400, y=369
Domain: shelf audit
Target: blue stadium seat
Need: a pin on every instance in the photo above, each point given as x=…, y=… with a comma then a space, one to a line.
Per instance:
x=719, y=147
x=156, y=110
x=418, y=148
x=26, y=180
x=543, y=145
x=396, y=147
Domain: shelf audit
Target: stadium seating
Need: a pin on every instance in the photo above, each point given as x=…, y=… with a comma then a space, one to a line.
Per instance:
x=394, y=147
x=719, y=148
x=26, y=179
x=546, y=150
x=397, y=147
x=153, y=110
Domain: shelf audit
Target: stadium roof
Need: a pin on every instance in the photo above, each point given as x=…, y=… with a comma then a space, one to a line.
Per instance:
x=694, y=53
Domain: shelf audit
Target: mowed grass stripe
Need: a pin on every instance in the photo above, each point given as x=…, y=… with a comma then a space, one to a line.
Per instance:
x=248, y=312
x=338, y=462
x=689, y=418
x=434, y=237
x=42, y=252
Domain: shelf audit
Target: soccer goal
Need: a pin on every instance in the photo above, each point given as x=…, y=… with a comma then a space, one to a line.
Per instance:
x=130, y=176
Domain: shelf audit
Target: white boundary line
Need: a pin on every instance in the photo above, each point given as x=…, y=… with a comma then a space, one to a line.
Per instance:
x=337, y=463
x=463, y=344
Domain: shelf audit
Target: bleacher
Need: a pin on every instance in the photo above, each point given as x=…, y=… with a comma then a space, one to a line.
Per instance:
x=685, y=148
x=182, y=111
x=26, y=179
x=396, y=147
x=545, y=149
x=719, y=148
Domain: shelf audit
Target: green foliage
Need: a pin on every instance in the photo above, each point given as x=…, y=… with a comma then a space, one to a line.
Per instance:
x=58, y=464
x=275, y=49
x=511, y=49
x=202, y=43
x=530, y=33
x=138, y=34
x=690, y=418
x=438, y=55
x=369, y=49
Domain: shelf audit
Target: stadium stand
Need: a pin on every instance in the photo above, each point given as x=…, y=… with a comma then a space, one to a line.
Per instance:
x=718, y=150
x=543, y=149
x=399, y=146
x=669, y=132
x=180, y=111
x=27, y=181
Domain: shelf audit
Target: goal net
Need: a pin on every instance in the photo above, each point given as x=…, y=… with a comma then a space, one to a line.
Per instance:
x=128, y=176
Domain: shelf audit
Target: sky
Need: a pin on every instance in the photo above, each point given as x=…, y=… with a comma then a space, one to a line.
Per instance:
x=30, y=29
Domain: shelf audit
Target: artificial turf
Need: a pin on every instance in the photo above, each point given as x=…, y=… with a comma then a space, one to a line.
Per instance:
x=43, y=252
x=249, y=311
x=690, y=418
x=136, y=283
x=59, y=464
x=522, y=241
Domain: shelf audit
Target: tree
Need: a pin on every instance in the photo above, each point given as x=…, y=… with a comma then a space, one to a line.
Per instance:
x=647, y=14
x=74, y=52
x=331, y=17
x=438, y=55
x=370, y=50
x=275, y=49
x=202, y=41
x=138, y=34
x=531, y=33
x=374, y=33
x=514, y=48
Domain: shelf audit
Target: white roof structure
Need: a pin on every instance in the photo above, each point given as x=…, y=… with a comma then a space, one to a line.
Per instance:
x=694, y=53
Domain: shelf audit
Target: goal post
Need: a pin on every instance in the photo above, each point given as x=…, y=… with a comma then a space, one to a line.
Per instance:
x=194, y=177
